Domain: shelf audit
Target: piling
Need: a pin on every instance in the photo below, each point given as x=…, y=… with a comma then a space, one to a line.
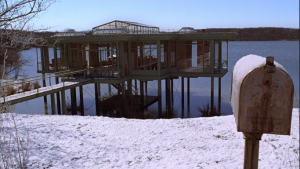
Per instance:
x=81, y=100
x=45, y=97
x=57, y=98
x=73, y=101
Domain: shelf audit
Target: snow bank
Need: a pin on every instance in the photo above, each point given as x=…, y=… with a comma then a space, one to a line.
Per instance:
x=102, y=142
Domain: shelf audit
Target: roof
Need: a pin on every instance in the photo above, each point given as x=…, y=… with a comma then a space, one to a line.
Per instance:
x=128, y=27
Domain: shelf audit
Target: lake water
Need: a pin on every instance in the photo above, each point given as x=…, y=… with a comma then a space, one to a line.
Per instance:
x=285, y=52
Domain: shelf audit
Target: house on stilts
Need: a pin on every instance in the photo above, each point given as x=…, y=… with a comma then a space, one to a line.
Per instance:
x=128, y=54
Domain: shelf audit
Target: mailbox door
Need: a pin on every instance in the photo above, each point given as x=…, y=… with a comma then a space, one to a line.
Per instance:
x=266, y=104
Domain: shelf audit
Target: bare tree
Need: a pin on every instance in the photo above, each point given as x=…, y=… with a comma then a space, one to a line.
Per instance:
x=16, y=33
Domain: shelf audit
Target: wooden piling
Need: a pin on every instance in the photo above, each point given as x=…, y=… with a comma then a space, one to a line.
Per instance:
x=219, y=97
x=142, y=96
x=97, y=100
x=159, y=99
x=63, y=102
x=53, y=104
x=188, y=96
x=182, y=97
x=81, y=100
x=172, y=94
x=212, y=92
x=123, y=100
x=45, y=97
x=109, y=90
x=58, y=98
x=73, y=101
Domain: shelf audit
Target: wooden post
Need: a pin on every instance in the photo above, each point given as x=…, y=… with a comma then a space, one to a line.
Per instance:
x=142, y=96
x=188, y=96
x=81, y=100
x=219, y=97
x=172, y=93
x=97, y=100
x=212, y=92
x=182, y=96
x=109, y=90
x=57, y=98
x=63, y=101
x=159, y=99
x=73, y=101
x=123, y=100
x=53, y=104
x=45, y=97
x=135, y=85
x=129, y=89
x=251, y=150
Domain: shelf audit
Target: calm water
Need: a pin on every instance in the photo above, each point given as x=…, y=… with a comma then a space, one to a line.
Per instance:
x=285, y=52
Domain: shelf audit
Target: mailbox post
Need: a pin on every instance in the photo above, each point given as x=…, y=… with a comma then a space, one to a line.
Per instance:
x=262, y=102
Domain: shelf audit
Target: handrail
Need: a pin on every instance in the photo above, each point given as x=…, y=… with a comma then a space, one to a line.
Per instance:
x=21, y=82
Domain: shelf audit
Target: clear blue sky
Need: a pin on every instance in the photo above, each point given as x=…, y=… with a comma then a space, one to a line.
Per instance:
x=85, y=14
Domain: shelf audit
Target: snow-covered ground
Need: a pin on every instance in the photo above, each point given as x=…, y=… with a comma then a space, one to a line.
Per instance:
x=102, y=142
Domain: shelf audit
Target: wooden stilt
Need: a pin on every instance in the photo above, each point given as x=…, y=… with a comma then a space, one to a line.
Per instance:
x=135, y=85
x=182, y=97
x=57, y=98
x=146, y=92
x=53, y=109
x=129, y=89
x=97, y=100
x=159, y=99
x=172, y=94
x=63, y=102
x=188, y=96
x=212, y=92
x=142, y=96
x=109, y=90
x=81, y=100
x=73, y=101
x=45, y=97
x=123, y=100
x=219, y=97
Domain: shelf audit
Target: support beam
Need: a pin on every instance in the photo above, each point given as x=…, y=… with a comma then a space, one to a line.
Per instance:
x=182, y=97
x=57, y=98
x=211, y=92
x=129, y=89
x=168, y=93
x=73, y=101
x=188, y=96
x=109, y=90
x=63, y=102
x=219, y=97
x=45, y=97
x=81, y=100
x=142, y=96
x=97, y=100
x=123, y=100
x=159, y=99
x=172, y=94
x=53, y=109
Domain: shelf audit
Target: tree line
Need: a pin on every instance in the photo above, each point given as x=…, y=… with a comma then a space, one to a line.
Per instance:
x=260, y=34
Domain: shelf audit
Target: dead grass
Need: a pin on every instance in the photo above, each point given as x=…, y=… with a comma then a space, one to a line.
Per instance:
x=10, y=90
x=36, y=85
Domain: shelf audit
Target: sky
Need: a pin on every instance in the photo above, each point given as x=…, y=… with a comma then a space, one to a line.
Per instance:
x=171, y=14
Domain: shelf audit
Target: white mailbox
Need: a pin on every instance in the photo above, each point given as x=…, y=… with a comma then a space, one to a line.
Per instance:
x=261, y=96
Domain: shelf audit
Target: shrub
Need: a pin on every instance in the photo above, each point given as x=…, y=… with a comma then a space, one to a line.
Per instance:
x=10, y=90
x=36, y=85
x=27, y=87
x=207, y=111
